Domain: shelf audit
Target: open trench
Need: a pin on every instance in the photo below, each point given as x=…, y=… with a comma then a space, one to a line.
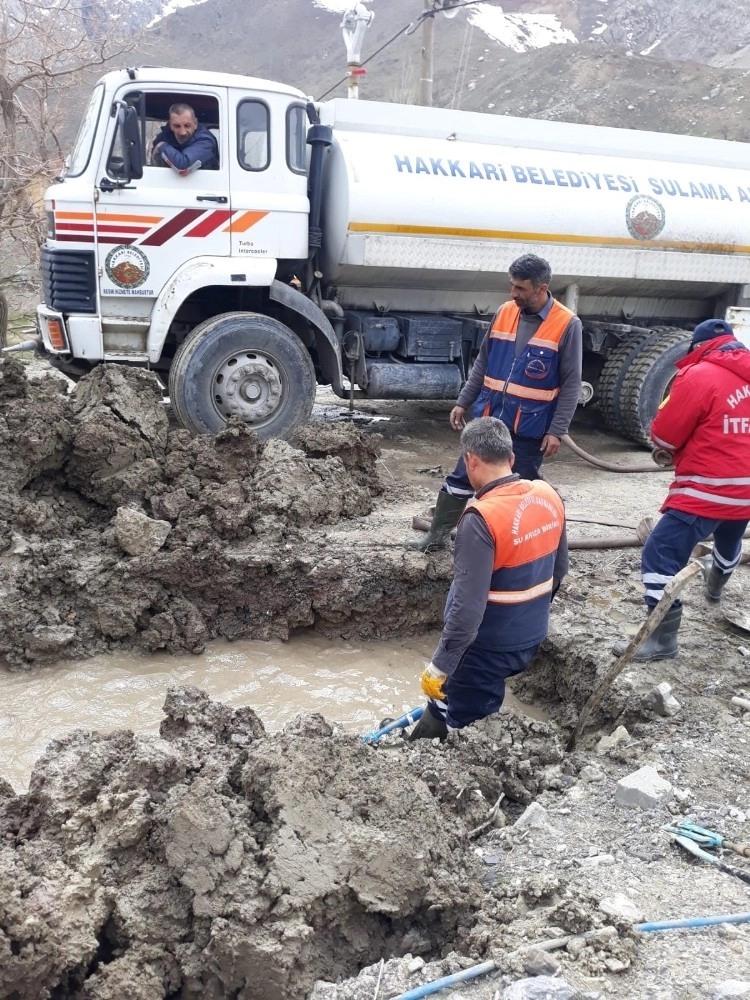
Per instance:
x=219, y=858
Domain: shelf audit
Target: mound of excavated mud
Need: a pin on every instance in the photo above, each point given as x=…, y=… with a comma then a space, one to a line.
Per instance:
x=118, y=531
x=218, y=860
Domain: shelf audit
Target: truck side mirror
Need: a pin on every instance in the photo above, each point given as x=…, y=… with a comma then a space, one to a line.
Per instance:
x=125, y=160
x=128, y=126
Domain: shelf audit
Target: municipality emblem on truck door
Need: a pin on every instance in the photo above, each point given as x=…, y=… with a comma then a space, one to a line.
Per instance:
x=645, y=217
x=127, y=267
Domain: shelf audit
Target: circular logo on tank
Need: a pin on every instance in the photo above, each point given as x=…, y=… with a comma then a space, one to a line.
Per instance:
x=645, y=217
x=127, y=267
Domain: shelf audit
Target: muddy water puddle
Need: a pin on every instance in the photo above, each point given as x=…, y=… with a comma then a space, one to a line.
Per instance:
x=355, y=685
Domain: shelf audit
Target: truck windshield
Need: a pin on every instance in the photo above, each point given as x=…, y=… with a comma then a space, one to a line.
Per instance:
x=78, y=160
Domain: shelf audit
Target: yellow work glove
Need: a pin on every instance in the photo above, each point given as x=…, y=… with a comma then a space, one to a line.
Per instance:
x=432, y=681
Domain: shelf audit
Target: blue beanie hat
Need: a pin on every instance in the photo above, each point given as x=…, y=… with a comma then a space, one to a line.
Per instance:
x=709, y=329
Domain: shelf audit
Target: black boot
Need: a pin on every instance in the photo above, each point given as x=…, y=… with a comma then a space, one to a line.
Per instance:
x=714, y=578
x=428, y=727
x=448, y=509
x=661, y=644
x=562, y=562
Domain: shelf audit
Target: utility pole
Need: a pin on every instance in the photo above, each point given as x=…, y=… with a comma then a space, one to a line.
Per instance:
x=449, y=8
x=353, y=27
x=428, y=48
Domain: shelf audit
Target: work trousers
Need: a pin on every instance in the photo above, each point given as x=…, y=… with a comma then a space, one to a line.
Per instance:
x=527, y=463
x=668, y=547
x=477, y=687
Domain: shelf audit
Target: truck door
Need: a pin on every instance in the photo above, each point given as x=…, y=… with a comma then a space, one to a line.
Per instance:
x=268, y=177
x=144, y=231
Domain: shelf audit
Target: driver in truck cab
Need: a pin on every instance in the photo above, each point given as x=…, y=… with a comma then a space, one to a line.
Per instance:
x=184, y=144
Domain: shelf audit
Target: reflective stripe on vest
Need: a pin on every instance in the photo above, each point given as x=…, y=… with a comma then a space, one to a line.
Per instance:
x=520, y=390
x=518, y=596
x=712, y=497
x=710, y=481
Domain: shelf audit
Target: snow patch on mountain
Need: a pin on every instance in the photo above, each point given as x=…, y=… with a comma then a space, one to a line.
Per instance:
x=171, y=6
x=520, y=32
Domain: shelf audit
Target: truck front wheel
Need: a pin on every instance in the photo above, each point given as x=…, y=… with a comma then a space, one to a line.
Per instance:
x=242, y=364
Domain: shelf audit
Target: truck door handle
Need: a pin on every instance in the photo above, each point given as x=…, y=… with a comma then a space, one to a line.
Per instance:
x=221, y=198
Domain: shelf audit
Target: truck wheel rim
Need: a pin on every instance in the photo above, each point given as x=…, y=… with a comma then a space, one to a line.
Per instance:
x=249, y=386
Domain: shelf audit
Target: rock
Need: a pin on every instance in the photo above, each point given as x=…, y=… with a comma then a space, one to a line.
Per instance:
x=662, y=701
x=20, y=545
x=621, y=907
x=540, y=963
x=590, y=773
x=575, y=946
x=50, y=638
x=534, y=816
x=643, y=789
x=731, y=988
x=137, y=533
x=607, y=743
x=539, y=988
x=615, y=965
x=729, y=931
x=596, y=861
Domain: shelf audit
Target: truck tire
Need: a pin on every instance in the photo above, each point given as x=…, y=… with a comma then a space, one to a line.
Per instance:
x=647, y=382
x=245, y=364
x=613, y=374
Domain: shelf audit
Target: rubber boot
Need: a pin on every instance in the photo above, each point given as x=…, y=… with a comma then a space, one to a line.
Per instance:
x=661, y=644
x=448, y=509
x=427, y=728
x=715, y=580
x=562, y=563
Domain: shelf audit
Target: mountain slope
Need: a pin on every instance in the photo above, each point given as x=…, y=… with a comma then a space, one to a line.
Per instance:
x=600, y=78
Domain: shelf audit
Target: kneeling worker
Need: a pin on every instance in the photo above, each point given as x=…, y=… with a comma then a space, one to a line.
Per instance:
x=497, y=612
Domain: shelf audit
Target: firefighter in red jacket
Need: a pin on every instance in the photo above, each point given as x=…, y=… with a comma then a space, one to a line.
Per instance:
x=705, y=423
x=497, y=612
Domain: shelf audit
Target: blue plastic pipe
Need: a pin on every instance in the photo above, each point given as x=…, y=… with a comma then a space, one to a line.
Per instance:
x=402, y=723
x=446, y=981
x=668, y=925
x=481, y=970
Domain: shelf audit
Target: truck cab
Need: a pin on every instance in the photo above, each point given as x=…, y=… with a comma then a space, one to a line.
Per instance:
x=139, y=255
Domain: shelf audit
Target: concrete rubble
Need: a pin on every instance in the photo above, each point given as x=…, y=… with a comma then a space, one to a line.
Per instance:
x=643, y=789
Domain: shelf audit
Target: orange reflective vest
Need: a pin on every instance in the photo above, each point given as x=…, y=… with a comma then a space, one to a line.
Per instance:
x=526, y=521
x=522, y=390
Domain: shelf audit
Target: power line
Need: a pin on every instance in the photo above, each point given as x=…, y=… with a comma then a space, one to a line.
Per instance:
x=460, y=76
x=410, y=28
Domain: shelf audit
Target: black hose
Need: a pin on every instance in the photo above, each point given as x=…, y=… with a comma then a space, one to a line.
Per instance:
x=607, y=466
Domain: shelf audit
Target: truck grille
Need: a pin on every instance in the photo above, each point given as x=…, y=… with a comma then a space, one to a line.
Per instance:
x=69, y=280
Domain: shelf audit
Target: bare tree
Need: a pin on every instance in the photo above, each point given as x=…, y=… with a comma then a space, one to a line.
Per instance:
x=47, y=50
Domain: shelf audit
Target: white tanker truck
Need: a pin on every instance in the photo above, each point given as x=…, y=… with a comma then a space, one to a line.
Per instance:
x=365, y=246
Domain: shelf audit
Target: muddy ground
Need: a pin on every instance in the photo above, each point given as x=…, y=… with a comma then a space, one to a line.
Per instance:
x=219, y=860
